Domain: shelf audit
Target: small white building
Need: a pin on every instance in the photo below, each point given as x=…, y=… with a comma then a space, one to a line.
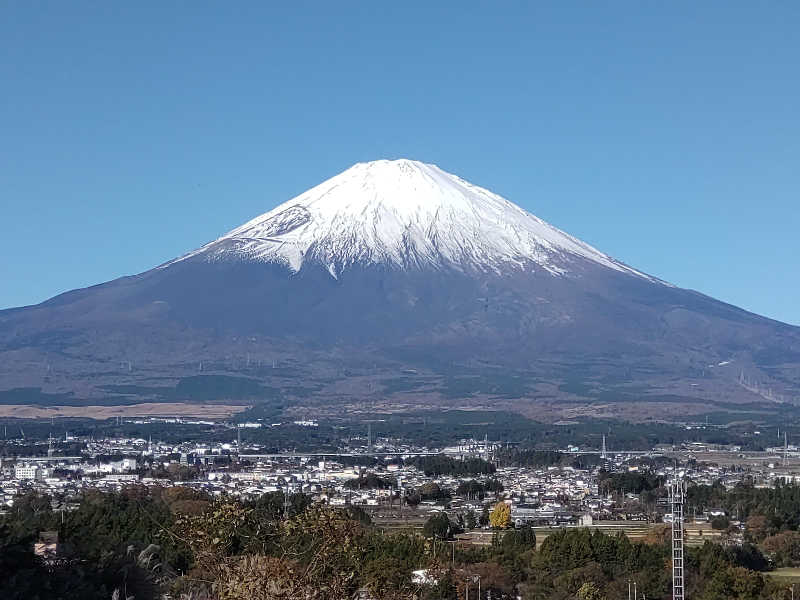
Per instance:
x=26, y=472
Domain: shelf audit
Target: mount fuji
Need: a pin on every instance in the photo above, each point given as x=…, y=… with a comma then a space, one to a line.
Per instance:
x=393, y=284
x=408, y=215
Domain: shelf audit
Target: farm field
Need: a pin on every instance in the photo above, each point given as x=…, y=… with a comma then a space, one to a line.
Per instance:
x=787, y=574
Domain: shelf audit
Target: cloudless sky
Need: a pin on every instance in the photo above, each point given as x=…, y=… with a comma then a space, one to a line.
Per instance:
x=667, y=134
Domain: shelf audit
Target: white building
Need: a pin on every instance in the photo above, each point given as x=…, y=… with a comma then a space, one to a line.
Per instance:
x=26, y=472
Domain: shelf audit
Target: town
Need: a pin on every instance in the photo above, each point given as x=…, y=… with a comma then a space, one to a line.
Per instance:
x=402, y=485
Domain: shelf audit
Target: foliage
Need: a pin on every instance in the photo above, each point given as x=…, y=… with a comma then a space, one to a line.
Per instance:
x=24, y=576
x=783, y=548
x=500, y=518
x=370, y=481
x=733, y=583
x=471, y=489
x=138, y=541
x=440, y=526
x=720, y=523
x=432, y=491
x=589, y=591
x=520, y=540
x=470, y=519
x=494, y=485
x=779, y=505
x=531, y=458
x=629, y=481
x=436, y=466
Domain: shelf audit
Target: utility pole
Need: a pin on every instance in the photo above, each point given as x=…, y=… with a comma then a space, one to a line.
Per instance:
x=677, y=493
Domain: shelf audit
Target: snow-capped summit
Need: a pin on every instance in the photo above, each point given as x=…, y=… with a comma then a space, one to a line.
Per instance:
x=406, y=214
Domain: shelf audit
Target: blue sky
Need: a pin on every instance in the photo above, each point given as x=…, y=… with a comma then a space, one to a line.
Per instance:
x=665, y=134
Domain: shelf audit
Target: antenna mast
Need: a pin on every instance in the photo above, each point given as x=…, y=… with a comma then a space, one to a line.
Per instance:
x=677, y=495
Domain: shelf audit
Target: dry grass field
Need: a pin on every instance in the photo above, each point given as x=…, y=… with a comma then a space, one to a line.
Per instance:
x=786, y=574
x=146, y=409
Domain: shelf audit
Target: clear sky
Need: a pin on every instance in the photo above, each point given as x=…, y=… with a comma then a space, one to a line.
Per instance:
x=667, y=134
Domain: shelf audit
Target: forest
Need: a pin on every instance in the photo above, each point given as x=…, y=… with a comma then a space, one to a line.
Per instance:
x=145, y=542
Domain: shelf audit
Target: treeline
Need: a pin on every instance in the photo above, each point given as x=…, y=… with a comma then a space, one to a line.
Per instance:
x=146, y=542
x=371, y=481
x=424, y=428
x=476, y=490
x=533, y=458
x=436, y=466
x=779, y=505
x=634, y=482
x=771, y=516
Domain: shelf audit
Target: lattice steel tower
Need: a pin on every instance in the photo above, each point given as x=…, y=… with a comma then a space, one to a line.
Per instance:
x=677, y=495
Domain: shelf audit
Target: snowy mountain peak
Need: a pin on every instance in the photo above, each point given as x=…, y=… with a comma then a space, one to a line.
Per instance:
x=406, y=214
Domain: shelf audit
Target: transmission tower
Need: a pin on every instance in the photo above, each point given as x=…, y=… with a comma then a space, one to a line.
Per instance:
x=677, y=494
x=603, y=453
x=785, y=449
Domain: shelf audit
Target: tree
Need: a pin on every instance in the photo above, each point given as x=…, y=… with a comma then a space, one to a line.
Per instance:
x=757, y=527
x=589, y=591
x=319, y=553
x=385, y=575
x=483, y=521
x=470, y=520
x=784, y=548
x=493, y=485
x=438, y=526
x=520, y=539
x=733, y=583
x=501, y=516
x=432, y=491
x=720, y=522
x=471, y=489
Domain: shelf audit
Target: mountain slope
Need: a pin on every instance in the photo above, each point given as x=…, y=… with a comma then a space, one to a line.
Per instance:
x=395, y=282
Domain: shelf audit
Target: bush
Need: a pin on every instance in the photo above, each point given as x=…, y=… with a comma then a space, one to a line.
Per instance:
x=721, y=523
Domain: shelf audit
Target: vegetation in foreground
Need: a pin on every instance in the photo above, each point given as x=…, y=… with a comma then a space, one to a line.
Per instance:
x=146, y=542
